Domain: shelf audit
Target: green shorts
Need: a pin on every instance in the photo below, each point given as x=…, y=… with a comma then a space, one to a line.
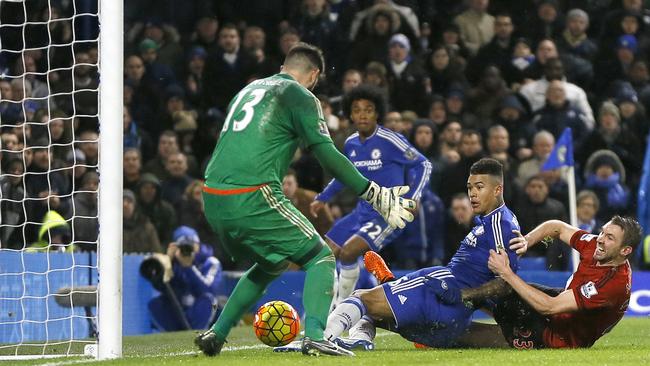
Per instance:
x=261, y=224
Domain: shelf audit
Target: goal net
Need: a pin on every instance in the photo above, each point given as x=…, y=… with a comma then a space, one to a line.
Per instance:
x=59, y=287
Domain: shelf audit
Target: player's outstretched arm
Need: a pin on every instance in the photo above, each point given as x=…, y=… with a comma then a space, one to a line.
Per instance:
x=387, y=201
x=541, y=302
x=555, y=229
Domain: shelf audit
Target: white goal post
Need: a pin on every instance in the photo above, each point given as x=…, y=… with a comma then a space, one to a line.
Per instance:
x=56, y=301
x=111, y=51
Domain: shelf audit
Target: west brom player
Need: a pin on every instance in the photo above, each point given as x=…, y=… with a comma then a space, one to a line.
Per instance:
x=594, y=300
x=424, y=306
x=383, y=156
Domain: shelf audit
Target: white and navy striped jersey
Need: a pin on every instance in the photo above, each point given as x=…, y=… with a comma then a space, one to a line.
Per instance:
x=386, y=158
x=492, y=231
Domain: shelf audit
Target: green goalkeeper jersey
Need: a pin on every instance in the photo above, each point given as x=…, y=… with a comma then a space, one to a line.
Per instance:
x=266, y=122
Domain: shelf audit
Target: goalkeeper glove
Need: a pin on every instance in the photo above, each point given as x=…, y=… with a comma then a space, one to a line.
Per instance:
x=389, y=203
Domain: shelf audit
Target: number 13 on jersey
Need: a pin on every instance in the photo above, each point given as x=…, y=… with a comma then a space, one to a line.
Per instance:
x=247, y=108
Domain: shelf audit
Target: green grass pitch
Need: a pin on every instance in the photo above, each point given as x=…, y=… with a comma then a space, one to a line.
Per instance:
x=627, y=344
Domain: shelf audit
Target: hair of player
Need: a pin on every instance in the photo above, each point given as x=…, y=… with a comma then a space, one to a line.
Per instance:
x=367, y=92
x=488, y=166
x=291, y=171
x=305, y=57
x=632, y=231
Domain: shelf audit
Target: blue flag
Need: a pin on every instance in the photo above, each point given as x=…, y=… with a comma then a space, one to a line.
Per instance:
x=562, y=154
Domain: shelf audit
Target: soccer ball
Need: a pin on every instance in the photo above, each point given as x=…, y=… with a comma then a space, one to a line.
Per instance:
x=276, y=323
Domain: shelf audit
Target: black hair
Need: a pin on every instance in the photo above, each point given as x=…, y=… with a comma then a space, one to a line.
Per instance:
x=632, y=231
x=488, y=166
x=306, y=52
x=367, y=92
x=291, y=171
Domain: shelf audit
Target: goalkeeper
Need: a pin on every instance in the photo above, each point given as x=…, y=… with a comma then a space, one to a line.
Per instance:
x=244, y=203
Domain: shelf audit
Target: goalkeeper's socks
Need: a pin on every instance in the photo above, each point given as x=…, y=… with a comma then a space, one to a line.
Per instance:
x=348, y=278
x=318, y=292
x=347, y=314
x=248, y=291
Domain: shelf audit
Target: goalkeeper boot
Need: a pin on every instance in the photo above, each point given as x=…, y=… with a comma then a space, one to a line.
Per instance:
x=351, y=343
x=208, y=343
x=377, y=267
x=316, y=348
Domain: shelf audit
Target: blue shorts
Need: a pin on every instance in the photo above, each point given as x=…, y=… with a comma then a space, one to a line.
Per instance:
x=370, y=226
x=419, y=314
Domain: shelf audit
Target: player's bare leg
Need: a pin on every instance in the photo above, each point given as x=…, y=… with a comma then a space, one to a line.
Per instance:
x=349, y=275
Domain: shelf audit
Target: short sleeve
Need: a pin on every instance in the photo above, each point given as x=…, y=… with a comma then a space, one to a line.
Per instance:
x=583, y=241
x=307, y=117
x=498, y=231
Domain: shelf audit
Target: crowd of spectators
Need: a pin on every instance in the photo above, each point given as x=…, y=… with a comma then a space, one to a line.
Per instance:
x=463, y=80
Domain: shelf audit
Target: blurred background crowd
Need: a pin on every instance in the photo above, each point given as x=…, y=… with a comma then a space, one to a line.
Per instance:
x=463, y=80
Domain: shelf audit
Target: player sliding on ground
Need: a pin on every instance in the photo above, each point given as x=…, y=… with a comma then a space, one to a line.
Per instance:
x=424, y=306
x=592, y=303
x=383, y=156
x=534, y=316
x=244, y=203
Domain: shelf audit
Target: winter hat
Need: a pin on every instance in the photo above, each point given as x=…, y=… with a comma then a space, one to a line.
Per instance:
x=401, y=40
x=128, y=194
x=626, y=93
x=185, y=234
x=627, y=41
x=611, y=109
x=147, y=44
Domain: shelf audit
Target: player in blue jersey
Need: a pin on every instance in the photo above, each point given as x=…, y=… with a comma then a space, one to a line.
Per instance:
x=383, y=156
x=424, y=306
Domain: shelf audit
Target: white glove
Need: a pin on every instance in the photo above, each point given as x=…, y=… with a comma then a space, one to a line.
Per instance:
x=389, y=204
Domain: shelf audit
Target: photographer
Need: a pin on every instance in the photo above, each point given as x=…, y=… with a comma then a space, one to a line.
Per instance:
x=188, y=299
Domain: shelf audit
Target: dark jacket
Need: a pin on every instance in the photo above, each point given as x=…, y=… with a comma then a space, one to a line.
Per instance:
x=408, y=90
x=530, y=215
x=139, y=235
x=555, y=120
x=160, y=212
x=222, y=80
x=422, y=242
x=85, y=224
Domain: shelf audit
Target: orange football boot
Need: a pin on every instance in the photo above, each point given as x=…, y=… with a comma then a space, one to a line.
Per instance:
x=377, y=267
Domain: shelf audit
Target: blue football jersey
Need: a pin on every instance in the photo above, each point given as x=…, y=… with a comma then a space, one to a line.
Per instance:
x=386, y=158
x=469, y=264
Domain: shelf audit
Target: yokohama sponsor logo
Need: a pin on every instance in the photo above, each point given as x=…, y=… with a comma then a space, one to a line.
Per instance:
x=370, y=163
